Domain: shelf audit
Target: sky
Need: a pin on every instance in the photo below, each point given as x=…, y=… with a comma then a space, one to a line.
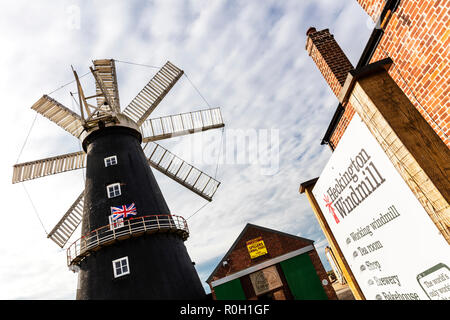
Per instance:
x=246, y=57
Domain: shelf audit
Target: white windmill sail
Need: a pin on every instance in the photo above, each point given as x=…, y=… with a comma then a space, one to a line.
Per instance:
x=151, y=95
x=59, y=114
x=48, y=166
x=106, y=71
x=64, y=229
x=138, y=110
x=179, y=170
x=181, y=124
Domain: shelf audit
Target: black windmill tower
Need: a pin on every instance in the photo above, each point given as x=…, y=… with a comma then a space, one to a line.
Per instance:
x=131, y=246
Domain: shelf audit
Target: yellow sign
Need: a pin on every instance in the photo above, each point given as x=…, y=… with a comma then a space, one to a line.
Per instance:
x=256, y=247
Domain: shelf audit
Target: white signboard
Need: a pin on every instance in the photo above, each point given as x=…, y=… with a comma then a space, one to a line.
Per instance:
x=391, y=245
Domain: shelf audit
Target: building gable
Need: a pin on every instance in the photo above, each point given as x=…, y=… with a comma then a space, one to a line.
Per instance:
x=276, y=243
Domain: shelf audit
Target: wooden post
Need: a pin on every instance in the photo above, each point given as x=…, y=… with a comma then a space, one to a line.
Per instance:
x=307, y=187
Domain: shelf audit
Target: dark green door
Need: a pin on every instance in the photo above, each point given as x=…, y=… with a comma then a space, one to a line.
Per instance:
x=231, y=290
x=302, y=278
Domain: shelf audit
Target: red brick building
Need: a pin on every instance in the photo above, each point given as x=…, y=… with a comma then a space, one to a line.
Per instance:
x=416, y=36
x=267, y=264
x=400, y=91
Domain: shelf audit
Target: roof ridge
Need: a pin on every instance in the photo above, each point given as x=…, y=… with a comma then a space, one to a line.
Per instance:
x=241, y=234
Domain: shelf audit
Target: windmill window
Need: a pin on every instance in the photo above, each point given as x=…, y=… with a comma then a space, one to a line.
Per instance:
x=110, y=161
x=121, y=267
x=113, y=190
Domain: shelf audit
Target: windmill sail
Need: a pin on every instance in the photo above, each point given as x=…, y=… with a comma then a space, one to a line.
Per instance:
x=59, y=114
x=48, y=166
x=181, y=124
x=106, y=71
x=151, y=95
x=179, y=170
x=68, y=223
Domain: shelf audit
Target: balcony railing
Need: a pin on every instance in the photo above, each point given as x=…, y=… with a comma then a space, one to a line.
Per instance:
x=132, y=227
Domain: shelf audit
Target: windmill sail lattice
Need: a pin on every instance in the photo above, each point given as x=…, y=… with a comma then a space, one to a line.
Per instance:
x=64, y=229
x=59, y=114
x=48, y=166
x=107, y=113
x=151, y=95
x=106, y=70
x=179, y=170
x=181, y=124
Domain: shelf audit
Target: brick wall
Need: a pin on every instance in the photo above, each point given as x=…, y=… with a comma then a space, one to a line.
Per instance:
x=322, y=274
x=334, y=66
x=342, y=125
x=416, y=37
x=276, y=245
x=372, y=7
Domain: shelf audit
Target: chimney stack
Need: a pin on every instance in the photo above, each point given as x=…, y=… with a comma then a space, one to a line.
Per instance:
x=329, y=58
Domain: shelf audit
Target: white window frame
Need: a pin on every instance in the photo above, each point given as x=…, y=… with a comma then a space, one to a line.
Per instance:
x=115, y=224
x=118, y=270
x=113, y=190
x=110, y=161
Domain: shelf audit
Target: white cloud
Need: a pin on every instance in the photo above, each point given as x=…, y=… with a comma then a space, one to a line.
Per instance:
x=247, y=57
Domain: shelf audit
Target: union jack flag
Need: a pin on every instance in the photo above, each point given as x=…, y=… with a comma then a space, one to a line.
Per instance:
x=123, y=211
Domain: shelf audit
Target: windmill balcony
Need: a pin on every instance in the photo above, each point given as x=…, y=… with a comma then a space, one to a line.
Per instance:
x=133, y=227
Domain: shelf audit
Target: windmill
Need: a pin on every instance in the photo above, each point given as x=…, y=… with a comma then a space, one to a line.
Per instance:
x=132, y=247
